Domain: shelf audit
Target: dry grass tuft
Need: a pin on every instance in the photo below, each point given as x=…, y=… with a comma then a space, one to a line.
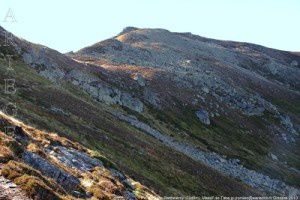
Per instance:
x=31, y=181
x=99, y=193
x=34, y=148
x=35, y=188
x=5, y=153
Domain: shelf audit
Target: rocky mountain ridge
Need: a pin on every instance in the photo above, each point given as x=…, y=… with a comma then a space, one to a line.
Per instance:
x=229, y=107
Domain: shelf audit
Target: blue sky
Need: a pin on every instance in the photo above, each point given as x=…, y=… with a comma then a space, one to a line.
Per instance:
x=67, y=25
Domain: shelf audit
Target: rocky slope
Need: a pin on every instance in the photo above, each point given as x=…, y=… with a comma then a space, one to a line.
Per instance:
x=252, y=88
x=11, y=191
x=182, y=114
x=47, y=166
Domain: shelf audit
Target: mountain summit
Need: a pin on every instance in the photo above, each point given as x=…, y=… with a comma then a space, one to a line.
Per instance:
x=180, y=114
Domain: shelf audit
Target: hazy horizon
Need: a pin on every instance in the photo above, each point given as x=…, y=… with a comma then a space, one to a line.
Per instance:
x=268, y=23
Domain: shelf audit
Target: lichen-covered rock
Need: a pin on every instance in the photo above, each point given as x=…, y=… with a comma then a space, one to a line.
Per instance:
x=103, y=92
x=139, y=78
x=287, y=123
x=52, y=74
x=151, y=97
x=74, y=159
x=67, y=181
x=203, y=116
x=45, y=65
x=59, y=111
